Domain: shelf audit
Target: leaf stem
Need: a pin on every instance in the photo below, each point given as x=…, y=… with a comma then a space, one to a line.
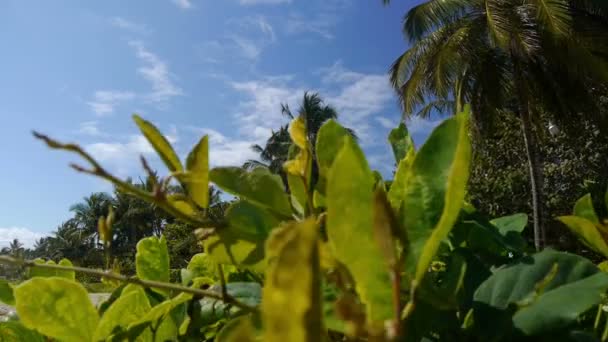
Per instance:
x=130, y=280
x=97, y=170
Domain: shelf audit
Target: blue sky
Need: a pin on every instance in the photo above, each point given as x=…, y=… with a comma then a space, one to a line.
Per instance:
x=77, y=70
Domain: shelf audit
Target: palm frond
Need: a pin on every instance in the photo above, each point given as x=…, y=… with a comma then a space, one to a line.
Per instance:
x=252, y=164
x=437, y=106
x=432, y=14
x=553, y=15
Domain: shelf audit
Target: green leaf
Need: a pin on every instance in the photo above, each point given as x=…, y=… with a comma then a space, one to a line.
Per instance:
x=71, y=275
x=197, y=165
x=542, y=288
x=239, y=329
x=126, y=309
x=152, y=260
x=350, y=221
x=6, y=293
x=16, y=332
x=56, y=307
x=330, y=139
x=513, y=223
x=299, y=194
x=560, y=308
x=201, y=265
x=181, y=203
x=258, y=186
x=584, y=208
x=161, y=315
x=435, y=190
x=587, y=232
x=160, y=144
x=47, y=272
x=297, y=132
x=293, y=283
x=241, y=242
x=397, y=190
x=401, y=142
x=213, y=310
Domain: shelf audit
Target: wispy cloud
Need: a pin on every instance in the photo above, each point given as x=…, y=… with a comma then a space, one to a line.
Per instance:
x=245, y=38
x=157, y=73
x=386, y=122
x=128, y=25
x=90, y=128
x=105, y=101
x=226, y=151
x=361, y=97
x=26, y=236
x=321, y=19
x=264, y=2
x=321, y=24
x=183, y=4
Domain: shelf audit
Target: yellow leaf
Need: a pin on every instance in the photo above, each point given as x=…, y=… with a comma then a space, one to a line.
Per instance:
x=297, y=131
x=292, y=285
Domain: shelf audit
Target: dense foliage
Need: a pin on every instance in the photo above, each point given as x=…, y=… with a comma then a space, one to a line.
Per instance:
x=347, y=255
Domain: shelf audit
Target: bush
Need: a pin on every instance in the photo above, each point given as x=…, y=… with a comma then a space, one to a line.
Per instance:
x=343, y=256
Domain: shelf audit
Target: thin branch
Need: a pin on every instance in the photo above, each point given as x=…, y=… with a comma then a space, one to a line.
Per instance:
x=130, y=280
x=99, y=171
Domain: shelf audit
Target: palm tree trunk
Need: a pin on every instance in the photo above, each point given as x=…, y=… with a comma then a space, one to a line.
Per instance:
x=536, y=175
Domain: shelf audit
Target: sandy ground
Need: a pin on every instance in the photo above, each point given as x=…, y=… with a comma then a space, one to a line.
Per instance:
x=96, y=298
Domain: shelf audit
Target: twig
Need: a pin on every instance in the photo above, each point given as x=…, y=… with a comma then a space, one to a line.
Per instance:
x=130, y=280
x=99, y=171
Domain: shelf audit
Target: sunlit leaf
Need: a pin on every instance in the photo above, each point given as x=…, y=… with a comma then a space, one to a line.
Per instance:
x=350, y=221
x=65, y=273
x=258, y=186
x=329, y=142
x=181, y=204
x=128, y=308
x=197, y=165
x=241, y=242
x=396, y=192
x=299, y=194
x=56, y=307
x=297, y=132
x=202, y=265
x=587, y=232
x=435, y=190
x=152, y=260
x=160, y=144
x=584, y=208
x=239, y=329
x=292, y=285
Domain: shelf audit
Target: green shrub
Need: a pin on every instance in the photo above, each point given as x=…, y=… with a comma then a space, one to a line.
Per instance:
x=346, y=255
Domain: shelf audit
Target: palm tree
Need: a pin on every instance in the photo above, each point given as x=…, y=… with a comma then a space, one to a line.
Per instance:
x=523, y=56
x=88, y=212
x=14, y=249
x=276, y=151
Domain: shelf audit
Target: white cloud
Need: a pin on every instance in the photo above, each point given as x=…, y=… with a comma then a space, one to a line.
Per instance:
x=26, y=236
x=104, y=101
x=128, y=25
x=417, y=125
x=183, y=4
x=260, y=112
x=386, y=122
x=226, y=151
x=361, y=96
x=321, y=24
x=90, y=128
x=157, y=73
x=264, y=2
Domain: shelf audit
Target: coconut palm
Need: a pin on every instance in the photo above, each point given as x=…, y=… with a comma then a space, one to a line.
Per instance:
x=520, y=56
x=275, y=152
